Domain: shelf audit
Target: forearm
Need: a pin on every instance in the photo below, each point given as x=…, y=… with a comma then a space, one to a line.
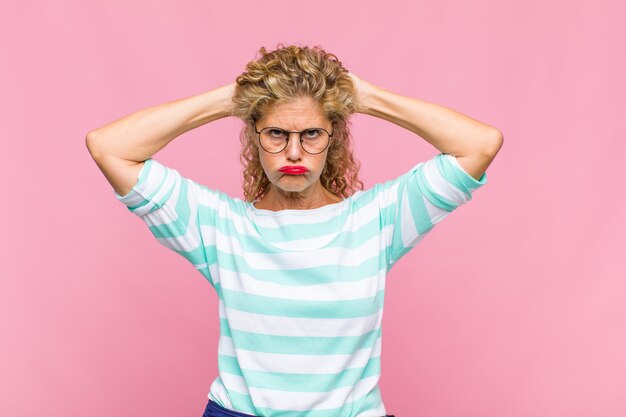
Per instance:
x=140, y=135
x=447, y=130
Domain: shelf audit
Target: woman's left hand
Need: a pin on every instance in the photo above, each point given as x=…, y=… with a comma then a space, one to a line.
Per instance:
x=363, y=91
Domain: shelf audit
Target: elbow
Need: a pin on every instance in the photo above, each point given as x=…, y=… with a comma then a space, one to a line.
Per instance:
x=90, y=143
x=495, y=143
x=91, y=136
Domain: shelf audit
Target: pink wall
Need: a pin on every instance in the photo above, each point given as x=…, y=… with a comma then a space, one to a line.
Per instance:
x=516, y=301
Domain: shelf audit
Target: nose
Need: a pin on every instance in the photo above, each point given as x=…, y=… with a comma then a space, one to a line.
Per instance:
x=294, y=149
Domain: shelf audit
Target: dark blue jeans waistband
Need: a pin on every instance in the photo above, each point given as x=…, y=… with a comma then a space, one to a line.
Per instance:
x=213, y=409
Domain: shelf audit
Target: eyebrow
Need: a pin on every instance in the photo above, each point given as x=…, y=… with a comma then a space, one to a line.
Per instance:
x=306, y=128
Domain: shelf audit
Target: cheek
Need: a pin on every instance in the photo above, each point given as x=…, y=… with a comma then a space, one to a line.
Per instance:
x=265, y=161
x=267, y=170
x=322, y=164
x=269, y=167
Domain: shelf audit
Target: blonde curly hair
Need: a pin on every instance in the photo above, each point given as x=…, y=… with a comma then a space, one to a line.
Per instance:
x=285, y=74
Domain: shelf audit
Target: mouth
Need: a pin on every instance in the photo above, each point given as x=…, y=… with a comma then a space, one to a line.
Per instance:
x=293, y=170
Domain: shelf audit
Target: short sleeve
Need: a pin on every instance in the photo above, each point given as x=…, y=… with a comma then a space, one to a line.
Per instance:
x=412, y=204
x=179, y=212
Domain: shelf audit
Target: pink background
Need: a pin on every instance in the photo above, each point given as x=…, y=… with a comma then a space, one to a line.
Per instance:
x=516, y=302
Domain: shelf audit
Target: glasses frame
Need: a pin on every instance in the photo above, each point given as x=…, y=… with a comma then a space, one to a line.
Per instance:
x=330, y=136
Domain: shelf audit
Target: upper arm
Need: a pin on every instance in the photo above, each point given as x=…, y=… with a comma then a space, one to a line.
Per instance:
x=476, y=164
x=413, y=203
x=179, y=212
x=120, y=173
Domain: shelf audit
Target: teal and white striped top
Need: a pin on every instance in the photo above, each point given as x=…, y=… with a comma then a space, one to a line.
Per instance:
x=301, y=292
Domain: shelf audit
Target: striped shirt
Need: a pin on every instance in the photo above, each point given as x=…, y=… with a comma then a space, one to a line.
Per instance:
x=301, y=292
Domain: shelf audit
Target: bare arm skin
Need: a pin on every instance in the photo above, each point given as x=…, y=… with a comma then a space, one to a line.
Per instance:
x=121, y=147
x=473, y=143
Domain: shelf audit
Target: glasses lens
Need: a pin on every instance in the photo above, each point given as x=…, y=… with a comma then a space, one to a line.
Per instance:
x=313, y=140
x=273, y=139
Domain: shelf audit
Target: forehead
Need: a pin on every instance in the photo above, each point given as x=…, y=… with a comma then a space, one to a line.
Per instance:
x=295, y=114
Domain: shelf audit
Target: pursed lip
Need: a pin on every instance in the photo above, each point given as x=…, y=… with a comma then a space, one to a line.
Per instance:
x=293, y=169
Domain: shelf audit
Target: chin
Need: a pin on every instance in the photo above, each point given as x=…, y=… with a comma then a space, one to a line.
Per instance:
x=292, y=184
x=294, y=189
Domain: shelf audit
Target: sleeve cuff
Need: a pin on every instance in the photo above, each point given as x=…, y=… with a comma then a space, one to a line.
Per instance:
x=152, y=187
x=446, y=184
x=457, y=175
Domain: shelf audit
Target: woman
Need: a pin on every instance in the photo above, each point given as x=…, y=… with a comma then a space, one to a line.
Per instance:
x=299, y=267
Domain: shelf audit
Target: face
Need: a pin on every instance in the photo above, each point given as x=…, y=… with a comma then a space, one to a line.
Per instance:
x=296, y=115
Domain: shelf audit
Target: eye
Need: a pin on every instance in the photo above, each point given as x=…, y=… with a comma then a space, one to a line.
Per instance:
x=312, y=133
x=277, y=133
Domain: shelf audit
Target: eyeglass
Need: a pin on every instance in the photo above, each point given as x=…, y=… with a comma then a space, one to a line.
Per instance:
x=313, y=140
